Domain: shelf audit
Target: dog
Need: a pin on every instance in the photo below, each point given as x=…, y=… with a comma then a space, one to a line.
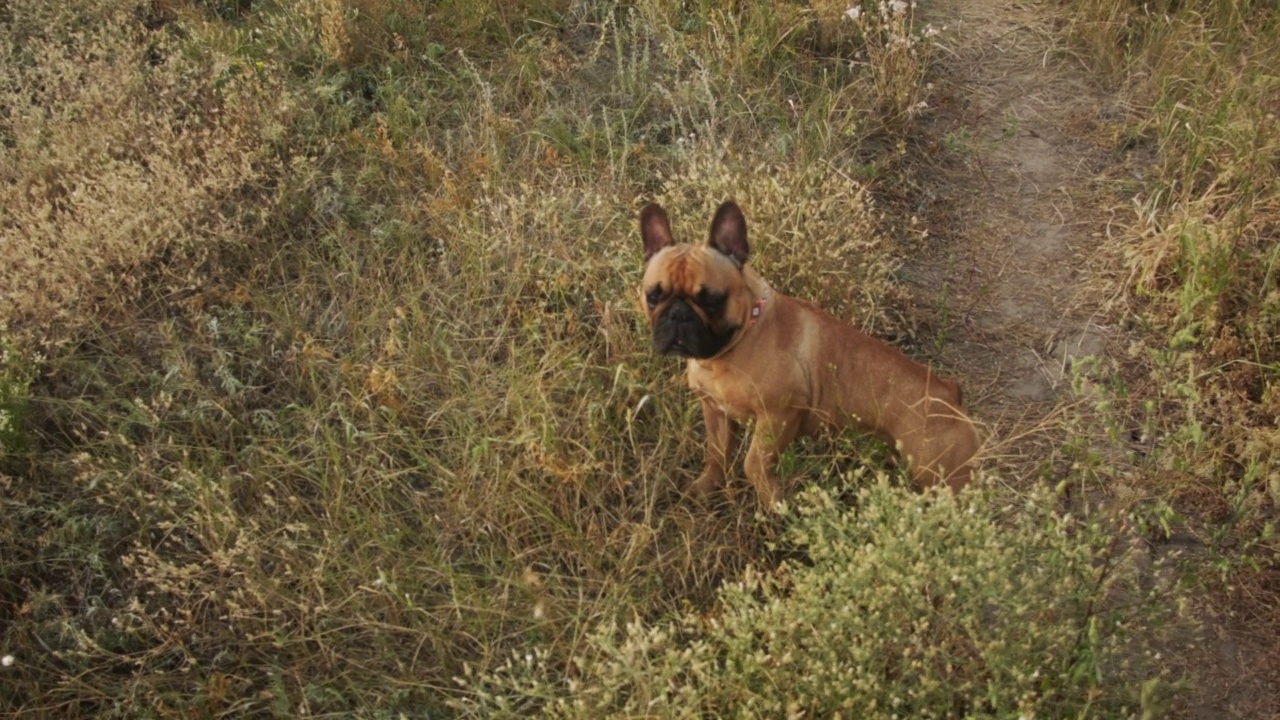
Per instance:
x=756, y=354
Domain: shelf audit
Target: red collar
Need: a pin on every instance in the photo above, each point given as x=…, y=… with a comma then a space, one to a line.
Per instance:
x=756, y=310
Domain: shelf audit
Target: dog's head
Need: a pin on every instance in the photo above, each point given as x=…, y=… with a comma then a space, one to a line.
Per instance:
x=695, y=296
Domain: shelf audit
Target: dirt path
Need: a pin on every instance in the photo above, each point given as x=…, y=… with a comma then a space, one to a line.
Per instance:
x=1014, y=208
x=1020, y=172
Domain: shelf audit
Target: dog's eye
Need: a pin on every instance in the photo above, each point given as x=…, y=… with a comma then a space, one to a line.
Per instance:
x=654, y=296
x=710, y=301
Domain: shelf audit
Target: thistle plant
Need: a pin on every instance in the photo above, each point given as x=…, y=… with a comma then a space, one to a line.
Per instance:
x=897, y=52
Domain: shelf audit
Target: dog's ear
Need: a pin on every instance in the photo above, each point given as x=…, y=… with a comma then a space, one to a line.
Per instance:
x=655, y=229
x=729, y=232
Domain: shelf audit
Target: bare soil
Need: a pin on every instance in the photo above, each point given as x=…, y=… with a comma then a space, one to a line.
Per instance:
x=1017, y=178
x=1016, y=201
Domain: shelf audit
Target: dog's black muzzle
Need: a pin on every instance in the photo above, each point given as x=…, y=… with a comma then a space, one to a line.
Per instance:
x=680, y=330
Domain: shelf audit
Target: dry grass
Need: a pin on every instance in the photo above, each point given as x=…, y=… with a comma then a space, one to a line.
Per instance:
x=117, y=148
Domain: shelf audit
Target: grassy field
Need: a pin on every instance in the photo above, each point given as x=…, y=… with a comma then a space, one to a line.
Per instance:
x=1197, y=260
x=324, y=390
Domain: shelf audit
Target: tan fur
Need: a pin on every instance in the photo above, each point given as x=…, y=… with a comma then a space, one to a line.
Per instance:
x=797, y=370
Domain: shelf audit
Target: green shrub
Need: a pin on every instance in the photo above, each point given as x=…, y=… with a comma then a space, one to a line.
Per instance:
x=901, y=605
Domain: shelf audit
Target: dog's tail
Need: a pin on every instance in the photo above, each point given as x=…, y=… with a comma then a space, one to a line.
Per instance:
x=953, y=388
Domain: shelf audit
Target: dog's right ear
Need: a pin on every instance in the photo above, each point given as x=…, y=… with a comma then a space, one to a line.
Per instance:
x=655, y=229
x=729, y=232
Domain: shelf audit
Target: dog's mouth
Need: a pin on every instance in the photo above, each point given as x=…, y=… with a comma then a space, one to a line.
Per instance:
x=678, y=349
x=690, y=345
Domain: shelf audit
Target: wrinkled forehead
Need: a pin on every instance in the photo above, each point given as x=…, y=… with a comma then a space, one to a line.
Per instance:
x=688, y=268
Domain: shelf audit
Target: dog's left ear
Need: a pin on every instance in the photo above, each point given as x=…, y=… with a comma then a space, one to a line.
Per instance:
x=729, y=232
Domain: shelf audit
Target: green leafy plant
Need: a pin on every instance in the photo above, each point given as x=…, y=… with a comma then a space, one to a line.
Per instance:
x=901, y=605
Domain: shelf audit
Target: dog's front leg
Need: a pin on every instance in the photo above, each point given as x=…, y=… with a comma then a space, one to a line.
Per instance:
x=722, y=432
x=772, y=436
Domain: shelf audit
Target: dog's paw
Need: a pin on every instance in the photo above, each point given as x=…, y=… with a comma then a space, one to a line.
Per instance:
x=705, y=485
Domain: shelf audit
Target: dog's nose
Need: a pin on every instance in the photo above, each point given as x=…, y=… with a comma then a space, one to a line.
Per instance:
x=681, y=312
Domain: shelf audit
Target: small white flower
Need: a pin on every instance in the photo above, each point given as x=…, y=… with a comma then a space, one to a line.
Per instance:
x=854, y=13
x=897, y=6
x=6, y=661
